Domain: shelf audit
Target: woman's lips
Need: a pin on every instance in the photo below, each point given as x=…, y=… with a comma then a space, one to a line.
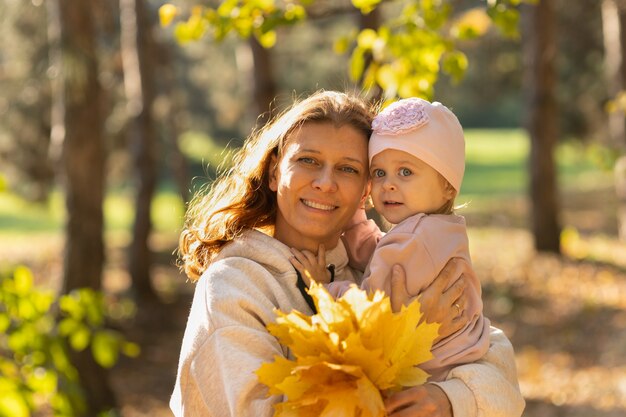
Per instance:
x=319, y=206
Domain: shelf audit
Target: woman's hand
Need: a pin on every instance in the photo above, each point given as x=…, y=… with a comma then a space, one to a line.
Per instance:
x=440, y=304
x=426, y=400
x=444, y=303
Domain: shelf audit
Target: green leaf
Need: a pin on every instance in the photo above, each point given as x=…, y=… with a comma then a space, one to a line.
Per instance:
x=23, y=278
x=167, y=13
x=19, y=339
x=43, y=381
x=365, y=6
x=294, y=12
x=130, y=349
x=262, y=4
x=386, y=77
x=62, y=405
x=79, y=338
x=26, y=309
x=506, y=19
x=366, y=39
x=340, y=46
x=67, y=326
x=42, y=301
x=268, y=39
x=191, y=30
x=70, y=305
x=13, y=404
x=5, y=322
x=61, y=361
x=8, y=370
x=228, y=8
x=455, y=64
x=105, y=348
x=357, y=64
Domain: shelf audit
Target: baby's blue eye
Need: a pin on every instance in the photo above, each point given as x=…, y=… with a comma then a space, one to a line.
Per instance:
x=378, y=173
x=405, y=172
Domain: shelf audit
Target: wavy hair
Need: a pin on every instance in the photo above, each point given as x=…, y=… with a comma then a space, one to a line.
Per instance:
x=240, y=198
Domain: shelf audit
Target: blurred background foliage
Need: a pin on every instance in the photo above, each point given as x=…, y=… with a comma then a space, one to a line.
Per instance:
x=218, y=70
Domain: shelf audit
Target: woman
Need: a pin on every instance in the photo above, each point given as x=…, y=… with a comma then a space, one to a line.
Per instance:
x=297, y=183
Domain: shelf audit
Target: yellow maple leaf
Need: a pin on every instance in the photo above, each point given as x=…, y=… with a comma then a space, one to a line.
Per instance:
x=272, y=374
x=346, y=354
x=327, y=389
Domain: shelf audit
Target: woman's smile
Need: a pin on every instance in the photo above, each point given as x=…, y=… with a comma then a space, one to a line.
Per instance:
x=318, y=206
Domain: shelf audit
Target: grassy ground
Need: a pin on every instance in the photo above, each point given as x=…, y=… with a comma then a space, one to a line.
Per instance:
x=566, y=316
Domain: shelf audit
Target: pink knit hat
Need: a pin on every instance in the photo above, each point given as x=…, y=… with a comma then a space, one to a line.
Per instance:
x=428, y=131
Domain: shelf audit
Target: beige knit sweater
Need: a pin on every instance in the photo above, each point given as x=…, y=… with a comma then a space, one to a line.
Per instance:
x=226, y=341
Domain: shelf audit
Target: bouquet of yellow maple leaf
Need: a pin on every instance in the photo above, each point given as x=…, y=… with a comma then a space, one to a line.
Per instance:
x=345, y=355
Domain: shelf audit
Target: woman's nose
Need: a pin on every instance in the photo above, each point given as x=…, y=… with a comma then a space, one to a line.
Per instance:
x=325, y=181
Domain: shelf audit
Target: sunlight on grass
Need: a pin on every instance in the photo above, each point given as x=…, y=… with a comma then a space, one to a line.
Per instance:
x=118, y=211
x=496, y=170
x=201, y=148
x=18, y=216
x=167, y=212
x=583, y=167
x=496, y=146
x=497, y=161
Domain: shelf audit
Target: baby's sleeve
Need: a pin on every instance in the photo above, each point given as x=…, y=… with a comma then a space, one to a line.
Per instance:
x=404, y=249
x=360, y=239
x=338, y=288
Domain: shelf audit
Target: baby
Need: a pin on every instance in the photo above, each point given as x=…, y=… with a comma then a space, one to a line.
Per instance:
x=417, y=162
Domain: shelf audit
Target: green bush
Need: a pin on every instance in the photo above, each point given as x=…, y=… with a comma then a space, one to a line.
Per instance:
x=37, y=329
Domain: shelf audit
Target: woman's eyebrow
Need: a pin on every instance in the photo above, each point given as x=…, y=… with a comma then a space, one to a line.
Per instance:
x=349, y=158
x=309, y=150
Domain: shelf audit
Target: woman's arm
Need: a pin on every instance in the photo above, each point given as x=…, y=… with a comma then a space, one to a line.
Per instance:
x=225, y=341
x=485, y=388
x=439, y=300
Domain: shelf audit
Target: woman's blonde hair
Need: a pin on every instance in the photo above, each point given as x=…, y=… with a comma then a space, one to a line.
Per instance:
x=240, y=198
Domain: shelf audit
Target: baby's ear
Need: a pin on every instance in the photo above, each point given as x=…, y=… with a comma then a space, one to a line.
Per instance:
x=366, y=193
x=448, y=191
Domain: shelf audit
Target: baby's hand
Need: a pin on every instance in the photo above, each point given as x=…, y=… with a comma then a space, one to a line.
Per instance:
x=310, y=266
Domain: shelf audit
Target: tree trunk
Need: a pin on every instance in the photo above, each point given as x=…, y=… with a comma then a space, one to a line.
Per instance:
x=612, y=31
x=137, y=58
x=621, y=10
x=77, y=129
x=370, y=21
x=264, y=87
x=173, y=127
x=542, y=121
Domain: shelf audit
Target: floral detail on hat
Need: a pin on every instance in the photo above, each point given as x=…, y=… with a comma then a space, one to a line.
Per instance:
x=401, y=117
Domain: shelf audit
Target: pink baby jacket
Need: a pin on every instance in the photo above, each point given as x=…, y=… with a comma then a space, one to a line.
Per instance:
x=422, y=244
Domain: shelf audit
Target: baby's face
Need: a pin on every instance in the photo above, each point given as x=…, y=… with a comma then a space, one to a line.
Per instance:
x=403, y=185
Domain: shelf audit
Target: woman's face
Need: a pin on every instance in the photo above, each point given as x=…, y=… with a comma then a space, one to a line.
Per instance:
x=319, y=181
